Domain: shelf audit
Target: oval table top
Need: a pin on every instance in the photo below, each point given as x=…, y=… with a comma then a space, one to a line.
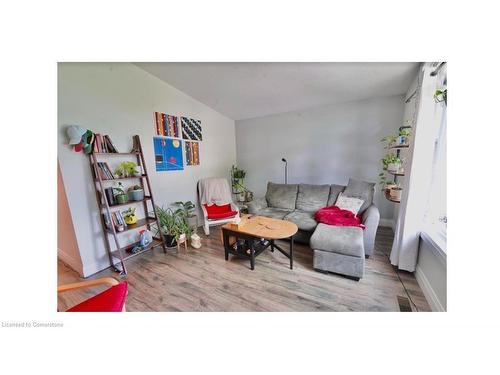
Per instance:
x=265, y=227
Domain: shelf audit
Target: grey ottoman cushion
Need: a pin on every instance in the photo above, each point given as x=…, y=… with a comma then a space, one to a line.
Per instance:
x=335, y=190
x=312, y=197
x=281, y=195
x=304, y=220
x=274, y=213
x=362, y=190
x=342, y=240
x=338, y=249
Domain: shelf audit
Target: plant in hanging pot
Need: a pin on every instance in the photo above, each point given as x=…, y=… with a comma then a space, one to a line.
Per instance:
x=136, y=193
x=130, y=216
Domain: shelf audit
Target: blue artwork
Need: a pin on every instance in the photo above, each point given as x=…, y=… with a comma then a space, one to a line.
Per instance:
x=168, y=154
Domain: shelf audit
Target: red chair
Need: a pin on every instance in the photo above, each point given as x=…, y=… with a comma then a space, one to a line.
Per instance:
x=214, y=214
x=111, y=300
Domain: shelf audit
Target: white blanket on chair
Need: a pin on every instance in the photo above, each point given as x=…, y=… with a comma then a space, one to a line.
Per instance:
x=214, y=190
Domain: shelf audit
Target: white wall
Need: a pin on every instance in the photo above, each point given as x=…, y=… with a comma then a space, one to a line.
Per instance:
x=431, y=274
x=119, y=99
x=67, y=245
x=322, y=145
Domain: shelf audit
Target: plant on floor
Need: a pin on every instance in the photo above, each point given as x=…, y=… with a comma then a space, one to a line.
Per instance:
x=186, y=208
x=170, y=225
x=237, y=176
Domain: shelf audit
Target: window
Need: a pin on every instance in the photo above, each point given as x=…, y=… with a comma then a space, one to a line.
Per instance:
x=436, y=218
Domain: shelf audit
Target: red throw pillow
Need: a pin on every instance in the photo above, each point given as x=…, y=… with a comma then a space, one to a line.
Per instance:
x=215, y=212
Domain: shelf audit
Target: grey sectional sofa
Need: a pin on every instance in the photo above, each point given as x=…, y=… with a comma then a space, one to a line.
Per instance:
x=336, y=249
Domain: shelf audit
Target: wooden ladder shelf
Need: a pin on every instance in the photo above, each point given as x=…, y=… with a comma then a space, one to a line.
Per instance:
x=121, y=253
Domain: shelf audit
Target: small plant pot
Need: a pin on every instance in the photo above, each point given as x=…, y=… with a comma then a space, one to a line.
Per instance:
x=182, y=238
x=402, y=140
x=131, y=219
x=136, y=195
x=393, y=167
x=396, y=193
x=121, y=198
x=169, y=240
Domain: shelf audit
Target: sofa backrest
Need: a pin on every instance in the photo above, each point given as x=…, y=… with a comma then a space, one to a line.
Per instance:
x=335, y=190
x=281, y=195
x=360, y=189
x=311, y=198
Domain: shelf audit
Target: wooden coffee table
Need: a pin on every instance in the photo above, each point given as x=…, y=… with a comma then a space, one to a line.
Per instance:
x=252, y=230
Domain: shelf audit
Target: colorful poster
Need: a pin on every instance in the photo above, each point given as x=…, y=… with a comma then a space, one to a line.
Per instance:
x=192, y=153
x=191, y=129
x=168, y=154
x=167, y=125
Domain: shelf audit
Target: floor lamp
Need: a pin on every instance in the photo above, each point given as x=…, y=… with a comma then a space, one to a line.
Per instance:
x=286, y=170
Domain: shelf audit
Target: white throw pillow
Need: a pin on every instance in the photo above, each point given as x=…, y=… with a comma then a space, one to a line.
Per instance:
x=349, y=203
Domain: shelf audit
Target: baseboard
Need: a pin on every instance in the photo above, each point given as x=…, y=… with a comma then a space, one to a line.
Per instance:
x=429, y=293
x=386, y=223
x=70, y=261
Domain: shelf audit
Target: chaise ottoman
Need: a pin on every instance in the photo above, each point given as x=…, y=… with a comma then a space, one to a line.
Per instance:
x=339, y=249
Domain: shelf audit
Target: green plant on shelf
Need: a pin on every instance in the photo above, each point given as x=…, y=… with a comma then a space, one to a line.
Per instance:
x=389, y=141
x=126, y=169
x=390, y=159
x=405, y=132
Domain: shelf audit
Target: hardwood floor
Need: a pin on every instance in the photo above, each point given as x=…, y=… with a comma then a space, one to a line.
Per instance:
x=201, y=280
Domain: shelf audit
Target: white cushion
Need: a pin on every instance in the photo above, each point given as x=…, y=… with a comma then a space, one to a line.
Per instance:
x=349, y=203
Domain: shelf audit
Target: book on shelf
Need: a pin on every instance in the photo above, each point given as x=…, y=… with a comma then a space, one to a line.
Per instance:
x=110, y=196
x=107, y=220
x=104, y=144
x=105, y=171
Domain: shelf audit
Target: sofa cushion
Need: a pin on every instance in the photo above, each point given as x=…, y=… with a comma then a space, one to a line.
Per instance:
x=272, y=212
x=362, y=190
x=340, y=240
x=311, y=198
x=335, y=190
x=281, y=195
x=111, y=300
x=304, y=220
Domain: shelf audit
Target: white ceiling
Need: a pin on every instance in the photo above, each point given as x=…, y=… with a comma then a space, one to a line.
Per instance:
x=247, y=90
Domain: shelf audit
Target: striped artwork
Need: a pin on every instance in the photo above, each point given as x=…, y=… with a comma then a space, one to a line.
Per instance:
x=192, y=153
x=167, y=125
x=191, y=129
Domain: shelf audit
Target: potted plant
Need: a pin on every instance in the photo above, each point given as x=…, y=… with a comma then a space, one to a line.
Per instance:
x=391, y=163
x=441, y=96
x=389, y=141
x=396, y=192
x=130, y=216
x=404, y=133
x=169, y=225
x=119, y=194
x=127, y=169
x=384, y=182
x=136, y=193
x=188, y=210
x=237, y=176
